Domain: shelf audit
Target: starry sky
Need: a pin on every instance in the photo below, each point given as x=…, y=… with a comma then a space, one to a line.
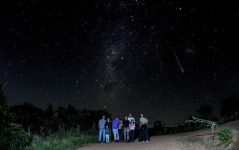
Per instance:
x=163, y=58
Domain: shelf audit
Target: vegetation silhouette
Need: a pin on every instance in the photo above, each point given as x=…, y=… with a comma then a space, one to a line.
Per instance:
x=230, y=109
x=18, y=123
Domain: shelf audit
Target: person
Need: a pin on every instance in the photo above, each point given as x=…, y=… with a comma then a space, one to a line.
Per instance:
x=120, y=128
x=131, y=132
x=107, y=134
x=130, y=117
x=126, y=129
x=144, y=135
x=109, y=124
x=115, y=125
x=101, y=126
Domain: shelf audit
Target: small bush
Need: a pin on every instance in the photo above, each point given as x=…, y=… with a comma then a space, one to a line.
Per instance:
x=13, y=137
x=225, y=138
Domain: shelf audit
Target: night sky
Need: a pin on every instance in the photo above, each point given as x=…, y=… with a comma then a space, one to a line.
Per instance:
x=164, y=58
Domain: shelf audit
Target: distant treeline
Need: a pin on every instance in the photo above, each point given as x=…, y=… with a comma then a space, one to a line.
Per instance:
x=39, y=121
x=229, y=111
x=45, y=121
x=18, y=123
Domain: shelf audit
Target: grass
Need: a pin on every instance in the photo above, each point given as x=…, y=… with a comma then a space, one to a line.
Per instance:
x=66, y=140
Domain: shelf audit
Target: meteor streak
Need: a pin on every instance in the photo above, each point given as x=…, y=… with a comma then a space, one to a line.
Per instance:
x=176, y=57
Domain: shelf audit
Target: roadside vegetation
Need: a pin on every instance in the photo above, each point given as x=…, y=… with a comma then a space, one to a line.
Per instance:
x=26, y=127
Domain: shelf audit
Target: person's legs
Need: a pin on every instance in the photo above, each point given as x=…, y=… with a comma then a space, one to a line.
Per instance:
x=103, y=135
x=107, y=138
x=127, y=134
x=143, y=135
x=100, y=135
x=130, y=135
x=124, y=134
x=147, y=134
x=120, y=135
x=117, y=135
x=115, y=132
x=111, y=136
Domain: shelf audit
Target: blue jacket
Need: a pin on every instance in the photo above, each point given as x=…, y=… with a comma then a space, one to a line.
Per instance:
x=115, y=123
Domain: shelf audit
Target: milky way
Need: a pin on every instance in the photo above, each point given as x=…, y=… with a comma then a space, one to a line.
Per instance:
x=163, y=58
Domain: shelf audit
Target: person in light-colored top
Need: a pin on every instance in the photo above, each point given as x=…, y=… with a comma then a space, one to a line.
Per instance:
x=101, y=126
x=131, y=130
x=130, y=117
x=144, y=135
x=143, y=120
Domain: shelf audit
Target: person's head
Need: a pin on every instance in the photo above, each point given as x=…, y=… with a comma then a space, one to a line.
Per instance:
x=108, y=119
x=121, y=121
x=107, y=127
x=141, y=115
x=125, y=118
x=130, y=115
x=103, y=117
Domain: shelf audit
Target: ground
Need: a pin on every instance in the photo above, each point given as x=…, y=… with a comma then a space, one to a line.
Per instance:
x=198, y=140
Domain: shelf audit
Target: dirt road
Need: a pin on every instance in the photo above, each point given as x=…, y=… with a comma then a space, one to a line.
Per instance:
x=169, y=142
x=198, y=140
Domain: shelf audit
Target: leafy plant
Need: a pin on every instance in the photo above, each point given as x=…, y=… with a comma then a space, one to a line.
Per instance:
x=14, y=137
x=225, y=138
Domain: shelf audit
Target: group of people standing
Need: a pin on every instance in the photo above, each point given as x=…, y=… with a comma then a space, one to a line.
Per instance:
x=122, y=130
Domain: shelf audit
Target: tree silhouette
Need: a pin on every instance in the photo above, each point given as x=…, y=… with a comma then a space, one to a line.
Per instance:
x=49, y=123
x=205, y=111
x=72, y=116
x=5, y=116
x=230, y=109
x=29, y=116
x=12, y=136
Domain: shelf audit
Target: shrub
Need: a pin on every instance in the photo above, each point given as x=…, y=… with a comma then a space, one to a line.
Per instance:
x=230, y=109
x=225, y=138
x=14, y=137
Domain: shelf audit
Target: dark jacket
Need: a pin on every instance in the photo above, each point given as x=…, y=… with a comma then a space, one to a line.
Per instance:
x=109, y=124
x=125, y=123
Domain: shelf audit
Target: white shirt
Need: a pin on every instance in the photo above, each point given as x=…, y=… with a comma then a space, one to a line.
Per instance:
x=130, y=118
x=143, y=120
